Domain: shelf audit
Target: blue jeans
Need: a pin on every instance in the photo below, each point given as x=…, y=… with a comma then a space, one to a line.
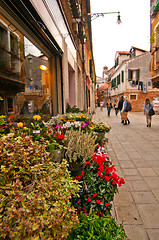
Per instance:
x=108, y=108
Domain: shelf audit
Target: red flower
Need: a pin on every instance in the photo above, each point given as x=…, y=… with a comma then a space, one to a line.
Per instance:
x=88, y=162
x=89, y=199
x=85, y=211
x=122, y=180
x=78, y=201
x=99, y=174
x=107, y=204
x=107, y=178
x=60, y=137
x=98, y=201
x=114, y=182
x=79, y=177
x=94, y=195
x=101, y=168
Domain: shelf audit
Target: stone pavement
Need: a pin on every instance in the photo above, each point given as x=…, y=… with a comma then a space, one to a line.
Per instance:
x=134, y=149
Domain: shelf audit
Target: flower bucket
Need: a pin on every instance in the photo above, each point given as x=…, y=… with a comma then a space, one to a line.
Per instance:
x=56, y=155
x=77, y=169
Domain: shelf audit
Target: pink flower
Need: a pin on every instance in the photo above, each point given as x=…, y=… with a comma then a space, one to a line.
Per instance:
x=98, y=201
x=78, y=201
x=89, y=199
x=94, y=195
x=58, y=126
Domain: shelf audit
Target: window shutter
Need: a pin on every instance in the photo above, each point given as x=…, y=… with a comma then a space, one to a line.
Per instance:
x=118, y=79
x=129, y=75
x=90, y=68
x=122, y=76
x=137, y=74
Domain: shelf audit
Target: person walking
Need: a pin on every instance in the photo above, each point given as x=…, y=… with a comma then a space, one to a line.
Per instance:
x=116, y=107
x=147, y=106
x=101, y=105
x=109, y=106
x=125, y=110
x=120, y=106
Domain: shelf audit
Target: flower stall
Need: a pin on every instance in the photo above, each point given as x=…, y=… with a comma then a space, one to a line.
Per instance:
x=43, y=194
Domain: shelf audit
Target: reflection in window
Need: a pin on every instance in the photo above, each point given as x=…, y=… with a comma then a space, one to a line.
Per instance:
x=10, y=104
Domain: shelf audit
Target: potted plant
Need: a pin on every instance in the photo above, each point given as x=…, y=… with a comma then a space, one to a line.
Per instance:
x=80, y=148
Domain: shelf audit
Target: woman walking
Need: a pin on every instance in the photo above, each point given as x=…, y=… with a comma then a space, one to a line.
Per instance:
x=109, y=106
x=147, y=108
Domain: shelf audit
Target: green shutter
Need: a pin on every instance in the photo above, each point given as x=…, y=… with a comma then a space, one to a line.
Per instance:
x=137, y=74
x=122, y=76
x=90, y=68
x=129, y=75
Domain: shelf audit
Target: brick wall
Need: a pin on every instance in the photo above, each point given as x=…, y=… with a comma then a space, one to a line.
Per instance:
x=138, y=105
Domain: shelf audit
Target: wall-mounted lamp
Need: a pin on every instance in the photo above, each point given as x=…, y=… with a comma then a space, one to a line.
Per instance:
x=43, y=67
x=91, y=16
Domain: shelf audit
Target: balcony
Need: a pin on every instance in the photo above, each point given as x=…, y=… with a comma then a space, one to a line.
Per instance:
x=154, y=8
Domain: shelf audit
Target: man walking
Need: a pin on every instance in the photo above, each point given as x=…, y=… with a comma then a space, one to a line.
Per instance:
x=125, y=109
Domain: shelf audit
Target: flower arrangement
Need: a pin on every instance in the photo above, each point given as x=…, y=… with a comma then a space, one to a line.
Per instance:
x=74, y=117
x=98, y=186
x=80, y=146
x=101, y=127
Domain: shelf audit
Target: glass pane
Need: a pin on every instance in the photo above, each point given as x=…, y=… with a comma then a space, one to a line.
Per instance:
x=26, y=72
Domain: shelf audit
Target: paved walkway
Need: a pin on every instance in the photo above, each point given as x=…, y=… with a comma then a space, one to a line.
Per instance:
x=134, y=149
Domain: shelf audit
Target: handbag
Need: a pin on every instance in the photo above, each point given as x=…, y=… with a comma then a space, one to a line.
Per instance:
x=151, y=112
x=123, y=116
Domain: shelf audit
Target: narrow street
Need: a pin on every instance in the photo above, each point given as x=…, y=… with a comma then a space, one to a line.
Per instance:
x=134, y=149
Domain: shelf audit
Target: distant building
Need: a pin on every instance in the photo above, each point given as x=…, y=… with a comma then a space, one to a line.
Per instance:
x=132, y=77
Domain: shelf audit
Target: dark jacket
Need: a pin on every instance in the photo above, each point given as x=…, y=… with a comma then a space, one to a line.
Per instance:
x=120, y=104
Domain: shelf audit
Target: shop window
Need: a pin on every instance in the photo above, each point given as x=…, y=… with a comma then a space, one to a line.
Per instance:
x=10, y=104
x=133, y=97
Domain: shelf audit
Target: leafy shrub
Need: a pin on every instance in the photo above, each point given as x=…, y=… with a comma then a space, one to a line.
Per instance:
x=93, y=227
x=34, y=193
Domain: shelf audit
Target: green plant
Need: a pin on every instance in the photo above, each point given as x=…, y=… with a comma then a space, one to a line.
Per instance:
x=34, y=193
x=98, y=186
x=80, y=146
x=93, y=227
x=73, y=109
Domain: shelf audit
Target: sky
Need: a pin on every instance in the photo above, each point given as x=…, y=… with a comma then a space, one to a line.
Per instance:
x=109, y=37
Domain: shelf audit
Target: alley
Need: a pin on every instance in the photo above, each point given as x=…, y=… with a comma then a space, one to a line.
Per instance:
x=134, y=149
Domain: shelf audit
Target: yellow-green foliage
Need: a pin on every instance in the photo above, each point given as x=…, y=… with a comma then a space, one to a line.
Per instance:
x=34, y=193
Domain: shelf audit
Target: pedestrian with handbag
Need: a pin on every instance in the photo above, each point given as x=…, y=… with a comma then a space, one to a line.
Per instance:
x=148, y=111
x=126, y=108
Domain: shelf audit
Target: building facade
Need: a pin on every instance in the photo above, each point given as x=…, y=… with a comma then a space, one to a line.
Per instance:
x=155, y=43
x=132, y=77
x=61, y=32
